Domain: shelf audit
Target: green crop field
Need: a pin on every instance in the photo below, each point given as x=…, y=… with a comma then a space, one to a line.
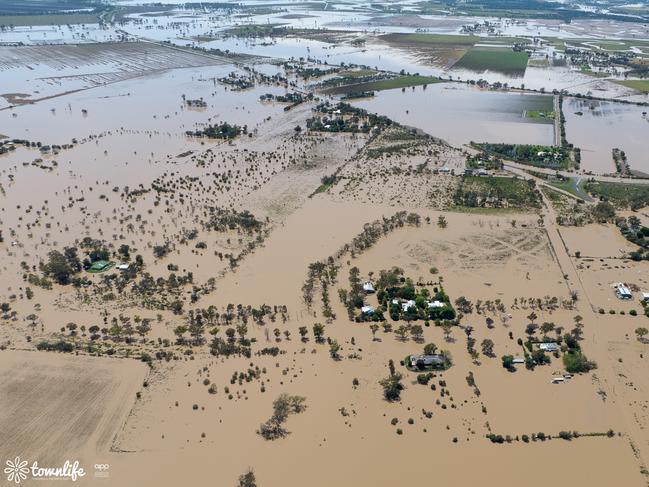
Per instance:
x=385, y=84
x=452, y=40
x=636, y=84
x=432, y=39
x=503, y=61
x=540, y=116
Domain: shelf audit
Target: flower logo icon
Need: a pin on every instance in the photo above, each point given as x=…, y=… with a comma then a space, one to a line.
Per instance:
x=16, y=470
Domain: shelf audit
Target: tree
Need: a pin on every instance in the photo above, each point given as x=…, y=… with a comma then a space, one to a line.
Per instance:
x=124, y=251
x=430, y=349
x=230, y=333
x=284, y=405
x=447, y=328
x=179, y=331
x=474, y=354
x=242, y=330
x=532, y=317
x=392, y=384
x=531, y=328
x=58, y=267
x=641, y=332
x=374, y=328
x=32, y=320
x=539, y=357
x=464, y=305
x=574, y=361
x=508, y=362
x=303, y=332
x=334, y=348
x=318, y=331
x=487, y=346
x=401, y=332
x=441, y=221
x=576, y=332
x=142, y=329
x=196, y=330
x=247, y=479
x=603, y=212
x=160, y=250
x=547, y=327
x=417, y=332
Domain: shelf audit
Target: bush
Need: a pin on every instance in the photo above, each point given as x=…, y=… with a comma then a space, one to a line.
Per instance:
x=565, y=435
x=508, y=362
x=60, y=346
x=424, y=379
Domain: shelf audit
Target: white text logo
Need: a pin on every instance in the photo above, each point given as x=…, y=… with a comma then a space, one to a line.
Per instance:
x=17, y=471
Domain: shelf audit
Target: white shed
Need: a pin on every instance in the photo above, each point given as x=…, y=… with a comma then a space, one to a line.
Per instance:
x=408, y=304
x=367, y=310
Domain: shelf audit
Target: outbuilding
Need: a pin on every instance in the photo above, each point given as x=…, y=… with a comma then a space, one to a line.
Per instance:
x=408, y=304
x=623, y=292
x=367, y=310
x=423, y=361
x=548, y=347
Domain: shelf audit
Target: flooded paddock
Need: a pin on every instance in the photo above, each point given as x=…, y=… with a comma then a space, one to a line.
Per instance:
x=46, y=71
x=597, y=127
x=150, y=104
x=460, y=114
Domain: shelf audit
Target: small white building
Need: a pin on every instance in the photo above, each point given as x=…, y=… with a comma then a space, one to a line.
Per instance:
x=122, y=267
x=645, y=296
x=408, y=304
x=623, y=292
x=368, y=287
x=518, y=361
x=548, y=347
x=367, y=310
x=435, y=304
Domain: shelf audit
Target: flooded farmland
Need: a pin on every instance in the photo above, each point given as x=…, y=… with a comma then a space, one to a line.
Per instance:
x=597, y=127
x=460, y=114
x=151, y=104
